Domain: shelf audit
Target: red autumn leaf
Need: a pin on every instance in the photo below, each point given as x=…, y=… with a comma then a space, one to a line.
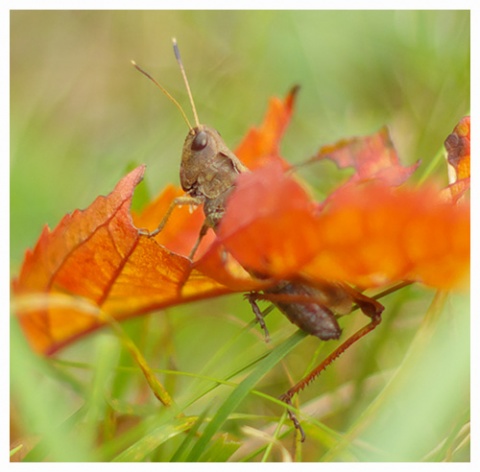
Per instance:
x=96, y=261
x=262, y=144
x=373, y=235
x=266, y=205
x=372, y=157
x=368, y=235
x=457, y=145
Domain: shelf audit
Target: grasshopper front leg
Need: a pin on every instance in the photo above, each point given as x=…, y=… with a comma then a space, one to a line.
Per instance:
x=179, y=201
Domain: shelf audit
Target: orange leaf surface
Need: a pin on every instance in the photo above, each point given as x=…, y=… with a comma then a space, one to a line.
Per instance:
x=373, y=235
x=96, y=261
x=368, y=235
x=262, y=144
x=269, y=225
x=372, y=157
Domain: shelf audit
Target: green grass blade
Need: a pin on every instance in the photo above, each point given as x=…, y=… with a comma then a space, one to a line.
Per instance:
x=241, y=391
x=181, y=452
x=150, y=441
x=221, y=449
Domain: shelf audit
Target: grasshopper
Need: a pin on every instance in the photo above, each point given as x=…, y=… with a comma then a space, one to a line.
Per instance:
x=208, y=172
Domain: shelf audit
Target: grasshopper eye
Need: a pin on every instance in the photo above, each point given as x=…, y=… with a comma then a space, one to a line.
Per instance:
x=200, y=141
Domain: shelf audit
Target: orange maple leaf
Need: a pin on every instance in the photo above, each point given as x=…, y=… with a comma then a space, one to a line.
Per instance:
x=368, y=234
x=372, y=157
x=96, y=261
x=262, y=145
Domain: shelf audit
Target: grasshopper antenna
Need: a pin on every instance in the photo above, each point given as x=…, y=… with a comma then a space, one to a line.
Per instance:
x=182, y=69
x=164, y=90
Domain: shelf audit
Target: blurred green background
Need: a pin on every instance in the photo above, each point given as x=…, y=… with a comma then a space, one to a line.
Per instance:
x=81, y=115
